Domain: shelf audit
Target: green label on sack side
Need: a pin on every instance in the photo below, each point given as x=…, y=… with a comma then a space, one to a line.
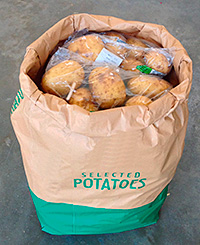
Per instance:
x=110, y=181
x=144, y=69
x=18, y=98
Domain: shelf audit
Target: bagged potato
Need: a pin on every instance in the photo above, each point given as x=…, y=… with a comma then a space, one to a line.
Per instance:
x=138, y=100
x=83, y=98
x=131, y=64
x=88, y=46
x=150, y=86
x=105, y=81
x=137, y=52
x=159, y=60
x=107, y=87
x=141, y=42
x=116, y=49
x=113, y=41
x=59, y=79
x=104, y=171
x=119, y=37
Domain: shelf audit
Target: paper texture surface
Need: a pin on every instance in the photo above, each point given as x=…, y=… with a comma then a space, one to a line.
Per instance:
x=116, y=158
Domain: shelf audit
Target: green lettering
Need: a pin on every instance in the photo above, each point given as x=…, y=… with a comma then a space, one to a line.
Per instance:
x=115, y=183
x=21, y=93
x=90, y=183
x=114, y=174
x=77, y=182
x=12, y=109
x=15, y=104
x=137, y=175
x=91, y=175
x=132, y=183
x=105, y=185
x=121, y=174
x=121, y=184
x=84, y=174
x=98, y=175
x=142, y=182
x=97, y=182
x=18, y=98
x=128, y=175
x=106, y=174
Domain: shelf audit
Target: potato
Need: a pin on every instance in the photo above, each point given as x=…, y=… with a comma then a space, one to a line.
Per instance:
x=136, y=42
x=114, y=44
x=60, y=78
x=157, y=61
x=138, y=100
x=88, y=46
x=130, y=64
x=116, y=48
x=107, y=87
x=136, y=53
x=150, y=86
x=116, y=35
x=83, y=98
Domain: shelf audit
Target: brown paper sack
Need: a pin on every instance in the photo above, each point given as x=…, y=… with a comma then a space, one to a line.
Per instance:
x=65, y=148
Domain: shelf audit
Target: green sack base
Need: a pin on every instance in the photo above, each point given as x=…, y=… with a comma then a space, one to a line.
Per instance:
x=69, y=219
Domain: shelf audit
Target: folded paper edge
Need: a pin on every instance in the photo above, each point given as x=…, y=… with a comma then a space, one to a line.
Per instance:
x=150, y=114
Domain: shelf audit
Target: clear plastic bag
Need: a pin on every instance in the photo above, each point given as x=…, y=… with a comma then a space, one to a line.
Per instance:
x=139, y=42
x=96, y=85
x=129, y=53
x=150, y=86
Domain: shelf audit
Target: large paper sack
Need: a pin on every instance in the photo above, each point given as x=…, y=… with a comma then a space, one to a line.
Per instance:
x=105, y=171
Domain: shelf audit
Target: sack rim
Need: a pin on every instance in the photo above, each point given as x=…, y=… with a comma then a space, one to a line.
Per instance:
x=149, y=113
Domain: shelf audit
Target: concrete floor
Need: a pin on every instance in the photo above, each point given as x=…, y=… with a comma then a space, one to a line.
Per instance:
x=21, y=22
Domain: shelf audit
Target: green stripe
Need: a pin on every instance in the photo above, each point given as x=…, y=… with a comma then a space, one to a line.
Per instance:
x=65, y=219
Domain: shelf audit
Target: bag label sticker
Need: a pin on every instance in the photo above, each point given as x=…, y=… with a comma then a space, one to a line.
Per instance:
x=144, y=69
x=106, y=56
